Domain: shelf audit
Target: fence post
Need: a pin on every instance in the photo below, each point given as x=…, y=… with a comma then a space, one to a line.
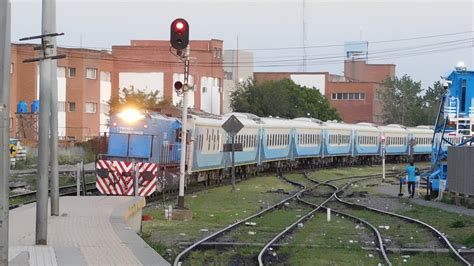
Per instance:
x=135, y=178
x=78, y=179
x=83, y=177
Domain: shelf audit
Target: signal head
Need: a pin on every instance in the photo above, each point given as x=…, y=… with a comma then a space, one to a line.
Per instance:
x=178, y=86
x=179, y=34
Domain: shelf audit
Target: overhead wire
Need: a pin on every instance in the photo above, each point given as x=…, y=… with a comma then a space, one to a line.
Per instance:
x=217, y=62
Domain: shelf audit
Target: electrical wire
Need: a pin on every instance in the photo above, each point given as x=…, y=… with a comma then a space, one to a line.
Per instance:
x=375, y=55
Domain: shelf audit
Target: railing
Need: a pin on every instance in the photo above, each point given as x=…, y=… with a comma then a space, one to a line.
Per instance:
x=169, y=154
x=451, y=108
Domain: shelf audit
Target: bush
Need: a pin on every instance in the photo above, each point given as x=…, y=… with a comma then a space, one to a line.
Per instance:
x=68, y=158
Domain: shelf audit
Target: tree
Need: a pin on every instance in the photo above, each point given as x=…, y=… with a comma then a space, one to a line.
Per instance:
x=404, y=103
x=281, y=98
x=137, y=99
x=401, y=101
x=432, y=100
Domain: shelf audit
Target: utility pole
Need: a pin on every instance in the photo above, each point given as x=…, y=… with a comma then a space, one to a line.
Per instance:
x=44, y=127
x=54, y=118
x=5, y=63
x=46, y=55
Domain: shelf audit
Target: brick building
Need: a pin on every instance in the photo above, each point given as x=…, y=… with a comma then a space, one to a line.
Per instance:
x=354, y=95
x=87, y=79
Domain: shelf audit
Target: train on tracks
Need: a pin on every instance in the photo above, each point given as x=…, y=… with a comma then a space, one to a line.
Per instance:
x=147, y=145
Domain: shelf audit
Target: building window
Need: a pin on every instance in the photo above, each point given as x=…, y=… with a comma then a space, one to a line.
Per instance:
x=72, y=106
x=61, y=106
x=204, y=89
x=11, y=68
x=91, y=108
x=217, y=53
x=348, y=96
x=72, y=72
x=227, y=75
x=91, y=73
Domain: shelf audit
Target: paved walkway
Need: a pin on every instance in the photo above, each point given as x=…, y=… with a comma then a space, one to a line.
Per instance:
x=89, y=231
x=393, y=190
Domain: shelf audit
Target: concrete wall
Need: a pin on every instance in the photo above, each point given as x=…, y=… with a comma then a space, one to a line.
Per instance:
x=317, y=81
x=146, y=82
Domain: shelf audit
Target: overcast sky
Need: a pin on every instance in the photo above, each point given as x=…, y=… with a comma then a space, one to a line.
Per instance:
x=264, y=25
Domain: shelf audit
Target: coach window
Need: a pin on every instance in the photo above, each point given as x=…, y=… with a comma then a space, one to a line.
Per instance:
x=201, y=142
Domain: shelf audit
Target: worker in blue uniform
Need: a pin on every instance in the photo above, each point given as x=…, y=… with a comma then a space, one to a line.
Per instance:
x=411, y=178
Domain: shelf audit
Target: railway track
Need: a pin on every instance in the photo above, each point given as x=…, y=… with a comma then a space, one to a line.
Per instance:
x=30, y=197
x=234, y=234
x=319, y=206
x=356, y=212
x=317, y=196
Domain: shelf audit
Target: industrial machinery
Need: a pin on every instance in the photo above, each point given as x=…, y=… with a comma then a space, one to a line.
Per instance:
x=454, y=125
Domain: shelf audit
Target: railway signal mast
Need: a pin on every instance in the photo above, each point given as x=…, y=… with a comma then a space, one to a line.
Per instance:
x=179, y=39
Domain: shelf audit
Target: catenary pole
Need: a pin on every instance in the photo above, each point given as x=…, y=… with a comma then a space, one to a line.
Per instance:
x=182, y=166
x=44, y=127
x=54, y=119
x=5, y=61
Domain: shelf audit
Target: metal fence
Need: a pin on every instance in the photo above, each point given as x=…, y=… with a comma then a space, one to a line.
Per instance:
x=461, y=170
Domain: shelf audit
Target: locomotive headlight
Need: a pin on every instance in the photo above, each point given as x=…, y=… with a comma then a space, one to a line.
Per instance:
x=130, y=115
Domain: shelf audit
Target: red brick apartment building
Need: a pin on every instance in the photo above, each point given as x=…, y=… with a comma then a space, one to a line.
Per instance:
x=87, y=79
x=354, y=95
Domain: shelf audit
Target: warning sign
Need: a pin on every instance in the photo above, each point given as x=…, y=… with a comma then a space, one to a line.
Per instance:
x=13, y=150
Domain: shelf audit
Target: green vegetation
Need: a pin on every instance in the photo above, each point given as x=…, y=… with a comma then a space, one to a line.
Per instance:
x=423, y=259
x=282, y=98
x=401, y=233
x=330, y=243
x=457, y=227
x=404, y=103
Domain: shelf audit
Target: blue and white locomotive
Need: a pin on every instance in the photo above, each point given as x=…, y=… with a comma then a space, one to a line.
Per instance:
x=149, y=144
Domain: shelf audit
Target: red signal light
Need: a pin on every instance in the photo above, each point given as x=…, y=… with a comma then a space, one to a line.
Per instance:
x=179, y=25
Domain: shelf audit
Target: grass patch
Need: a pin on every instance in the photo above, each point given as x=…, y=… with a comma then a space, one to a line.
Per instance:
x=331, y=243
x=332, y=256
x=423, y=259
x=400, y=233
x=469, y=241
x=447, y=222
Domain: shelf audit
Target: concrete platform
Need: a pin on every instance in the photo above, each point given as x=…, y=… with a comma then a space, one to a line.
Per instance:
x=96, y=230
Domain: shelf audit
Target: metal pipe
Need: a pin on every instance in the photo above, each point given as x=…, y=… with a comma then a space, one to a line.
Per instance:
x=5, y=49
x=233, y=164
x=54, y=119
x=182, y=163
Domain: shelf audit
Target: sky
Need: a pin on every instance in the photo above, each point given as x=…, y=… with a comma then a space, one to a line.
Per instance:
x=273, y=30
